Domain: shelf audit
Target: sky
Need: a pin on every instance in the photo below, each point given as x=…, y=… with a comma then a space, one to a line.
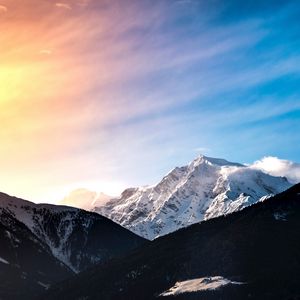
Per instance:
x=110, y=94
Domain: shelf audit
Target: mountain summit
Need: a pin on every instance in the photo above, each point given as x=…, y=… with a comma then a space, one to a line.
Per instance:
x=206, y=188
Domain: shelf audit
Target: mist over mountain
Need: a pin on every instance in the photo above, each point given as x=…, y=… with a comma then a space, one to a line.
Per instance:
x=279, y=167
x=85, y=199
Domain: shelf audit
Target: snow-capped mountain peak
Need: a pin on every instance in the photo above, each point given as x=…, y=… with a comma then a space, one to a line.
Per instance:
x=213, y=161
x=206, y=188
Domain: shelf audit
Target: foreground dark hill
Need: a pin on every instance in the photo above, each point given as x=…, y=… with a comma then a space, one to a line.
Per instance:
x=259, y=246
x=27, y=266
x=43, y=244
x=78, y=238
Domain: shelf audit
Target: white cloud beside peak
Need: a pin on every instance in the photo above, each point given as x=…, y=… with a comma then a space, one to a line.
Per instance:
x=279, y=167
x=85, y=199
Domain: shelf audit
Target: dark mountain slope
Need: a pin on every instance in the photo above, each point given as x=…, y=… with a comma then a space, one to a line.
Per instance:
x=27, y=266
x=78, y=238
x=43, y=244
x=259, y=246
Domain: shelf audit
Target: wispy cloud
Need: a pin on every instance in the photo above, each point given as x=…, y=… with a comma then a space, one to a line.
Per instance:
x=202, y=150
x=182, y=2
x=63, y=5
x=83, y=3
x=3, y=9
x=45, y=51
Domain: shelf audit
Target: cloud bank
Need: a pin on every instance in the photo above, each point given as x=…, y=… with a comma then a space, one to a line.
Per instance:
x=279, y=167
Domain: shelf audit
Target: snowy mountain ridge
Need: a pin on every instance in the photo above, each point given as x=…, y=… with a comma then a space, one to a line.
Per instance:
x=77, y=238
x=205, y=188
x=35, y=216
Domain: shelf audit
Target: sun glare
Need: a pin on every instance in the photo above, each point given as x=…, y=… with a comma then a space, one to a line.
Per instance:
x=11, y=82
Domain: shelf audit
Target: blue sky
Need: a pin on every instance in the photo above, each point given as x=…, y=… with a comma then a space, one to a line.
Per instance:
x=131, y=89
x=227, y=86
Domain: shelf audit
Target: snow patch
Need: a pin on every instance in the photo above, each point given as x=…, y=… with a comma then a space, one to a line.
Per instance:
x=44, y=285
x=280, y=216
x=198, y=284
x=4, y=261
